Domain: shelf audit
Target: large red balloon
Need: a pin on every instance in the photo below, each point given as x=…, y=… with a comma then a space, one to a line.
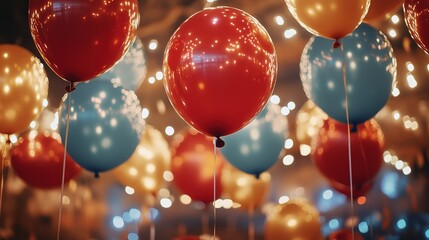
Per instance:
x=192, y=166
x=416, y=16
x=330, y=152
x=358, y=191
x=81, y=39
x=38, y=160
x=220, y=69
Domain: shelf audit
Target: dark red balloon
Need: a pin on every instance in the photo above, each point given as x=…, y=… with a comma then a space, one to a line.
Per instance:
x=220, y=69
x=416, y=16
x=38, y=160
x=192, y=166
x=81, y=39
x=345, y=234
x=330, y=152
x=358, y=190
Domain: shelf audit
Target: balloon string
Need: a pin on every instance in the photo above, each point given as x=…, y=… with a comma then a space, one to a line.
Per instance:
x=152, y=218
x=60, y=212
x=348, y=139
x=215, y=145
x=251, y=214
x=5, y=157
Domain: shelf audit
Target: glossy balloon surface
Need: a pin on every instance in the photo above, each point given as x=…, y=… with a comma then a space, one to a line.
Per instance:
x=309, y=120
x=358, y=190
x=256, y=147
x=381, y=9
x=370, y=73
x=105, y=125
x=24, y=87
x=416, y=17
x=220, y=69
x=81, y=39
x=193, y=167
x=37, y=159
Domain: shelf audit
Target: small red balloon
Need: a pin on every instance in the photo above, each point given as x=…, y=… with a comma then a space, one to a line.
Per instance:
x=331, y=152
x=345, y=234
x=38, y=160
x=220, y=69
x=416, y=16
x=193, y=166
x=81, y=39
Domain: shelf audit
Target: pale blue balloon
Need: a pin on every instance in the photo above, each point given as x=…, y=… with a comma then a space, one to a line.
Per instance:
x=370, y=74
x=131, y=70
x=257, y=146
x=105, y=124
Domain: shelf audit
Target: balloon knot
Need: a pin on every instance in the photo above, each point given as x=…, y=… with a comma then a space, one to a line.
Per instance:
x=96, y=174
x=353, y=128
x=219, y=142
x=336, y=44
x=257, y=176
x=70, y=88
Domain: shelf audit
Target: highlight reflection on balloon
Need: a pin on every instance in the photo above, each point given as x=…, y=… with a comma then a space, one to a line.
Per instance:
x=220, y=68
x=144, y=170
x=24, y=87
x=416, y=17
x=295, y=219
x=244, y=188
x=105, y=124
x=309, y=120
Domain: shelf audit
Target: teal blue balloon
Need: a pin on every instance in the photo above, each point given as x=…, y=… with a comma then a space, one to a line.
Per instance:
x=131, y=70
x=370, y=74
x=257, y=146
x=105, y=124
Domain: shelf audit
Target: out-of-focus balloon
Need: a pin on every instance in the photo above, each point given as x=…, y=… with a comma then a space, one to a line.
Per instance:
x=131, y=70
x=82, y=39
x=220, y=68
x=381, y=9
x=24, y=87
x=293, y=220
x=370, y=74
x=345, y=234
x=193, y=167
x=244, y=188
x=358, y=191
x=309, y=120
x=105, y=125
x=332, y=19
x=417, y=20
x=145, y=168
x=37, y=159
x=331, y=156
x=256, y=147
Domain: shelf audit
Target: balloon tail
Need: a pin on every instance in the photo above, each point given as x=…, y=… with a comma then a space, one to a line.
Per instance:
x=218, y=143
x=348, y=137
x=71, y=88
x=97, y=175
x=337, y=44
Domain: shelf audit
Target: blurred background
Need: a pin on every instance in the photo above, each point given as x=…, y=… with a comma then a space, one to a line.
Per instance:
x=102, y=208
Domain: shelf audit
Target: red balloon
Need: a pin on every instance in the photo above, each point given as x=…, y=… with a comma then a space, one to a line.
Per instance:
x=416, y=16
x=330, y=152
x=81, y=39
x=220, y=69
x=358, y=190
x=192, y=166
x=345, y=234
x=38, y=160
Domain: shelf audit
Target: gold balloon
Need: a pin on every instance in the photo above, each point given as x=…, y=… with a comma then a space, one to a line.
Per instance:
x=382, y=9
x=244, y=188
x=309, y=120
x=23, y=88
x=329, y=18
x=144, y=170
x=294, y=220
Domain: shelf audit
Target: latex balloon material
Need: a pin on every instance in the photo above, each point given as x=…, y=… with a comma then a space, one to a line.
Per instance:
x=309, y=120
x=105, y=125
x=256, y=147
x=331, y=157
x=37, y=159
x=358, y=190
x=345, y=234
x=131, y=70
x=244, y=188
x=82, y=39
x=417, y=20
x=294, y=220
x=380, y=9
x=220, y=69
x=332, y=19
x=193, y=167
x=370, y=73
x=144, y=170
x=24, y=87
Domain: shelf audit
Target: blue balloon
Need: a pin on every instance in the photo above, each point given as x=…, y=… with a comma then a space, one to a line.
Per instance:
x=131, y=70
x=370, y=74
x=257, y=146
x=105, y=124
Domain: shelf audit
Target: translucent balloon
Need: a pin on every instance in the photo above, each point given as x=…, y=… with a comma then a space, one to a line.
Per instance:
x=24, y=87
